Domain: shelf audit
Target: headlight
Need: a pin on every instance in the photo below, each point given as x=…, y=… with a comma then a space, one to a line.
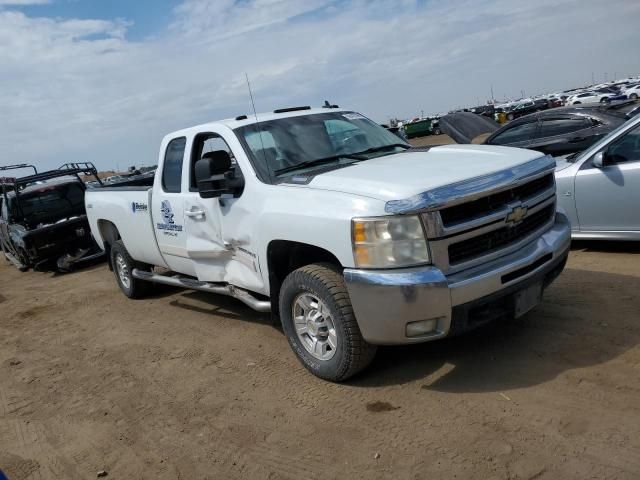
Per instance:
x=387, y=242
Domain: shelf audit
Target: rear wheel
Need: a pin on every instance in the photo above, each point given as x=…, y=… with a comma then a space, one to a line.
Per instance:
x=318, y=320
x=633, y=96
x=510, y=116
x=605, y=100
x=123, y=266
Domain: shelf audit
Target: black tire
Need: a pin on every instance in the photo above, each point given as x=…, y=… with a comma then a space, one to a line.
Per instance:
x=510, y=116
x=437, y=132
x=605, y=100
x=577, y=103
x=136, y=288
x=633, y=96
x=352, y=353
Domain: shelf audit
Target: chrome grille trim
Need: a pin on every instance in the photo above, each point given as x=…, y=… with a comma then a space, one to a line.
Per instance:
x=435, y=228
x=439, y=247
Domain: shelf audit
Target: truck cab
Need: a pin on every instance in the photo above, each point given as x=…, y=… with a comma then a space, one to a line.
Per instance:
x=341, y=229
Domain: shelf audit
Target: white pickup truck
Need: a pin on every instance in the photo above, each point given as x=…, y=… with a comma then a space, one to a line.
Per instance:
x=353, y=238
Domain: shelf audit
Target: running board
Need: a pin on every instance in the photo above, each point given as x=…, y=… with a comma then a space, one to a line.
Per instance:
x=192, y=284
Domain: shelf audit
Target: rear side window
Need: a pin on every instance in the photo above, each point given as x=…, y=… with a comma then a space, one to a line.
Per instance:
x=516, y=134
x=562, y=126
x=172, y=167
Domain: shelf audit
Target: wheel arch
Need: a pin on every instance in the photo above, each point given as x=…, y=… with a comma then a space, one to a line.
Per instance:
x=285, y=256
x=109, y=234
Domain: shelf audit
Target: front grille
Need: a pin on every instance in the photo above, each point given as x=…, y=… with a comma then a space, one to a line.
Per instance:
x=485, y=205
x=489, y=242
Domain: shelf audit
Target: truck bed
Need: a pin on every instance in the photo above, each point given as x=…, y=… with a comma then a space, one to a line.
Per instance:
x=129, y=210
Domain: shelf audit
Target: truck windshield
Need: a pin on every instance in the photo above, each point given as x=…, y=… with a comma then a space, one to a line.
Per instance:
x=282, y=147
x=47, y=204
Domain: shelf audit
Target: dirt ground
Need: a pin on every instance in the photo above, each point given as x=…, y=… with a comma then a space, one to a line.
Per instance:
x=189, y=386
x=431, y=140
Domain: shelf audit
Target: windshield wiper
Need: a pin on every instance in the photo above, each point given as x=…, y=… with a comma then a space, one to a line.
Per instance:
x=354, y=156
x=319, y=161
x=383, y=148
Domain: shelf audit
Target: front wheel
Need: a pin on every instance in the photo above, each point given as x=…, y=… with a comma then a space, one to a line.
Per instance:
x=633, y=96
x=123, y=266
x=318, y=320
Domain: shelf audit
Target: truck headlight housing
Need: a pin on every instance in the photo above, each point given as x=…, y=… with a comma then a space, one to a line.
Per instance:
x=389, y=242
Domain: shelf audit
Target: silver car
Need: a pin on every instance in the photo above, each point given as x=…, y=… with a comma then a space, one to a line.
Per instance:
x=600, y=188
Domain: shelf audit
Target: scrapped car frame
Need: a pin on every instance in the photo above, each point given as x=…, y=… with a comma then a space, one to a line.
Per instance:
x=81, y=249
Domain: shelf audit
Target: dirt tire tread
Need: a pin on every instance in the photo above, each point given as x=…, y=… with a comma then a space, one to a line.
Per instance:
x=139, y=288
x=358, y=353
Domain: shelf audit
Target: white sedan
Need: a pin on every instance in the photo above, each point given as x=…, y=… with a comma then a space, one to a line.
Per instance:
x=599, y=189
x=633, y=92
x=588, y=97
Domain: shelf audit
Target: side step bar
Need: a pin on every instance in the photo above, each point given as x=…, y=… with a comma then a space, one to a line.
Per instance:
x=15, y=261
x=184, y=282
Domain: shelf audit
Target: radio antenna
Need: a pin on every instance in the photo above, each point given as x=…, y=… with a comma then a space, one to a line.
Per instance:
x=255, y=114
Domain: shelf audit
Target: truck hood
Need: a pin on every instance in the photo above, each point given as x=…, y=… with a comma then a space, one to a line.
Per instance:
x=405, y=174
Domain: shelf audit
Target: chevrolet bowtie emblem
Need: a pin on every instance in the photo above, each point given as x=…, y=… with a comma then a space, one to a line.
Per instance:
x=516, y=214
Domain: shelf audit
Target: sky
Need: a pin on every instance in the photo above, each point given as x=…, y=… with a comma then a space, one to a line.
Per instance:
x=105, y=80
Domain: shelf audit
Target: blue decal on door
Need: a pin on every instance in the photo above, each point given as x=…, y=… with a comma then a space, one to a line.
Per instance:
x=167, y=216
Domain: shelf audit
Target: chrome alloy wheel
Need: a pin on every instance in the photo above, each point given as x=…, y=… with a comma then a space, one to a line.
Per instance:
x=123, y=271
x=314, y=326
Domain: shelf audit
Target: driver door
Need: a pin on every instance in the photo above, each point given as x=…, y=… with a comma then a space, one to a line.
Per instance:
x=219, y=230
x=608, y=198
x=203, y=218
x=558, y=135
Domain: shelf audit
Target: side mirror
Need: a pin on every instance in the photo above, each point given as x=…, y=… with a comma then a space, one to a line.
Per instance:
x=215, y=175
x=598, y=160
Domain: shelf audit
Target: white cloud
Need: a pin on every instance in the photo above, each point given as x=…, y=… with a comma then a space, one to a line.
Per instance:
x=78, y=90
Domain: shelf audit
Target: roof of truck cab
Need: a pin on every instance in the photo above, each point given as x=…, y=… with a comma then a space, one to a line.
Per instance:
x=232, y=123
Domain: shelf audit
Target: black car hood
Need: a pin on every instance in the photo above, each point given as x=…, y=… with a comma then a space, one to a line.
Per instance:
x=463, y=127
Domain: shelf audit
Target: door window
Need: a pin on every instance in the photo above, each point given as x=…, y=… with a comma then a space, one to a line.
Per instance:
x=625, y=149
x=203, y=144
x=561, y=126
x=518, y=133
x=172, y=167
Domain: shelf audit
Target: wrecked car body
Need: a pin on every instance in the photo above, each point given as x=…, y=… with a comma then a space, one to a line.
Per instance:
x=43, y=220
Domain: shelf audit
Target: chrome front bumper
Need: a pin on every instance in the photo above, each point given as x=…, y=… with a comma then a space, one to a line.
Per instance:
x=385, y=301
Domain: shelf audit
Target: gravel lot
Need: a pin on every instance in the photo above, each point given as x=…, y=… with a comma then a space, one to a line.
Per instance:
x=189, y=386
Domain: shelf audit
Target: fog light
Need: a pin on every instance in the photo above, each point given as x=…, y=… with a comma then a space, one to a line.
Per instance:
x=423, y=327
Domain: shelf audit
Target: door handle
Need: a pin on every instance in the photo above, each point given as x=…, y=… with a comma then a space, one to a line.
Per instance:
x=194, y=213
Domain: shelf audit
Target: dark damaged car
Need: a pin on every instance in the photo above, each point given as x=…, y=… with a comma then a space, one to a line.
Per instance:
x=43, y=220
x=556, y=132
